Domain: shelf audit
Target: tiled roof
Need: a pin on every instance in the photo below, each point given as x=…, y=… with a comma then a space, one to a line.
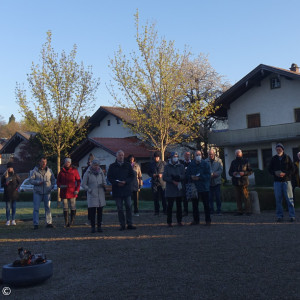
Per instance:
x=130, y=145
x=120, y=112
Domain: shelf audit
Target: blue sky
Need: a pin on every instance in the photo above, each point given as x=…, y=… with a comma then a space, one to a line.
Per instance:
x=237, y=35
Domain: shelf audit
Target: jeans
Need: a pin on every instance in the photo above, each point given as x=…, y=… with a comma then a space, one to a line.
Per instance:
x=215, y=192
x=158, y=192
x=171, y=201
x=37, y=198
x=135, y=199
x=10, y=206
x=69, y=203
x=205, y=200
x=127, y=202
x=284, y=189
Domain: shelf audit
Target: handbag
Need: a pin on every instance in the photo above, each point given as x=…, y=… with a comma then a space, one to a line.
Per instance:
x=191, y=191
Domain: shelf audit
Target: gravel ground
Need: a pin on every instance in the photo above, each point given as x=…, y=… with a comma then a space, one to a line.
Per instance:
x=237, y=257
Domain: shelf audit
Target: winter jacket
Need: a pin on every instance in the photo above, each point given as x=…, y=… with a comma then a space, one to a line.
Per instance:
x=173, y=172
x=137, y=181
x=46, y=177
x=284, y=164
x=240, y=164
x=94, y=185
x=202, y=168
x=216, y=166
x=156, y=168
x=10, y=182
x=69, y=177
x=120, y=172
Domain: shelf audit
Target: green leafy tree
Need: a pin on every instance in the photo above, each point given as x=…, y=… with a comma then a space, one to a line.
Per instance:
x=153, y=86
x=62, y=92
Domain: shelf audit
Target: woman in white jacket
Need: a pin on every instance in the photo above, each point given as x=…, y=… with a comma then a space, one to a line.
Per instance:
x=94, y=183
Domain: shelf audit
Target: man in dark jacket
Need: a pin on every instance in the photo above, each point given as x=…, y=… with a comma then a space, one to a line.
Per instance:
x=156, y=171
x=186, y=162
x=121, y=174
x=281, y=167
x=239, y=171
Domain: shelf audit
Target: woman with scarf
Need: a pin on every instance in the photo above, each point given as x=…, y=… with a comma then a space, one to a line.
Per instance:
x=68, y=180
x=11, y=182
x=94, y=183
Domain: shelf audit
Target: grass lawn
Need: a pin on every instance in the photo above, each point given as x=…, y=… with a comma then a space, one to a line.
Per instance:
x=24, y=209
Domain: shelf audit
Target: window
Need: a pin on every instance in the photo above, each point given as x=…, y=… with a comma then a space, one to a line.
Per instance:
x=252, y=157
x=295, y=152
x=108, y=122
x=118, y=121
x=297, y=114
x=253, y=120
x=266, y=157
x=275, y=83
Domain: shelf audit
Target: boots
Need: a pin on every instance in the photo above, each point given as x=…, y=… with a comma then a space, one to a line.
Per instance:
x=66, y=216
x=73, y=214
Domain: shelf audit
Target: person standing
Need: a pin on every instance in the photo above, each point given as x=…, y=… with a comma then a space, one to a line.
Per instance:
x=120, y=174
x=296, y=176
x=216, y=168
x=281, y=167
x=43, y=181
x=156, y=171
x=239, y=170
x=137, y=182
x=10, y=181
x=186, y=162
x=94, y=183
x=68, y=180
x=174, y=176
x=198, y=172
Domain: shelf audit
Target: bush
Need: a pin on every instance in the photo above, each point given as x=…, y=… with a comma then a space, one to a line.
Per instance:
x=146, y=194
x=263, y=178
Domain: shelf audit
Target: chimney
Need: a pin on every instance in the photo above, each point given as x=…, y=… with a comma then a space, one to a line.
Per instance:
x=294, y=68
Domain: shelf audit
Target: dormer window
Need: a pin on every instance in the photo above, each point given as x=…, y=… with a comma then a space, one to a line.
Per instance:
x=275, y=83
x=108, y=122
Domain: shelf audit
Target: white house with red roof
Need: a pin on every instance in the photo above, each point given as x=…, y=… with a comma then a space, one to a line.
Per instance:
x=262, y=109
x=107, y=134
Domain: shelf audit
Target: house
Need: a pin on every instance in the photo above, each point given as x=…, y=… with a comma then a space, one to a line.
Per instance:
x=107, y=134
x=11, y=151
x=262, y=109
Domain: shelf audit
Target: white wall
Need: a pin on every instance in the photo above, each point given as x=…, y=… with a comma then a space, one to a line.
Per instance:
x=276, y=106
x=113, y=131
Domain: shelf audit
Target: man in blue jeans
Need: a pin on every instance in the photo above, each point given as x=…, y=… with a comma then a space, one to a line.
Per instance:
x=120, y=175
x=282, y=168
x=43, y=182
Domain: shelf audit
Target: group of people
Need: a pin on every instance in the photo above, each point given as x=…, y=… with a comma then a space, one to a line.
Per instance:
x=175, y=181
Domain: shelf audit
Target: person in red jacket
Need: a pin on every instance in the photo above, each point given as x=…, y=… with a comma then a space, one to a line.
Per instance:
x=68, y=180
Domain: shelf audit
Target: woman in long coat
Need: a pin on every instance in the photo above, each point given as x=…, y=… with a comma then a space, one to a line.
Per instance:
x=11, y=182
x=94, y=183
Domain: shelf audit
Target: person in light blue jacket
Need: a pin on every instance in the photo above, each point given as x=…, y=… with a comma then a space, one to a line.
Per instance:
x=43, y=182
x=198, y=172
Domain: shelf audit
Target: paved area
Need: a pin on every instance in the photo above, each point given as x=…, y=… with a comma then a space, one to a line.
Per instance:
x=237, y=257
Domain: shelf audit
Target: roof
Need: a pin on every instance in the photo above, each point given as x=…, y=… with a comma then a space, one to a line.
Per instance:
x=103, y=111
x=15, y=140
x=130, y=145
x=249, y=81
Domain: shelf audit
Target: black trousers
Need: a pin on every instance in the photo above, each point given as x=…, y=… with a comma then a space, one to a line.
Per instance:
x=135, y=199
x=158, y=192
x=171, y=201
x=205, y=200
x=92, y=213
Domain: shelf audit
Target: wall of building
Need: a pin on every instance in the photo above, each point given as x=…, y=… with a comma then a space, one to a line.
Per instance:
x=276, y=106
x=115, y=130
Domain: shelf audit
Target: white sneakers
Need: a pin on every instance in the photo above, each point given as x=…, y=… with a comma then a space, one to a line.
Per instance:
x=13, y=222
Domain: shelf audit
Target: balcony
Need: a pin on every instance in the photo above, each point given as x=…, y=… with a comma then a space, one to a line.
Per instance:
x=280, y=132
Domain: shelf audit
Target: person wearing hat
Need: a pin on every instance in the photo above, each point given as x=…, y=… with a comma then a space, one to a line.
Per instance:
x=282, y=168
x=174, y=175
x=156, y=170
x=43, y=181
x=94, y=183
x=10, y=181
x=68, y=180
